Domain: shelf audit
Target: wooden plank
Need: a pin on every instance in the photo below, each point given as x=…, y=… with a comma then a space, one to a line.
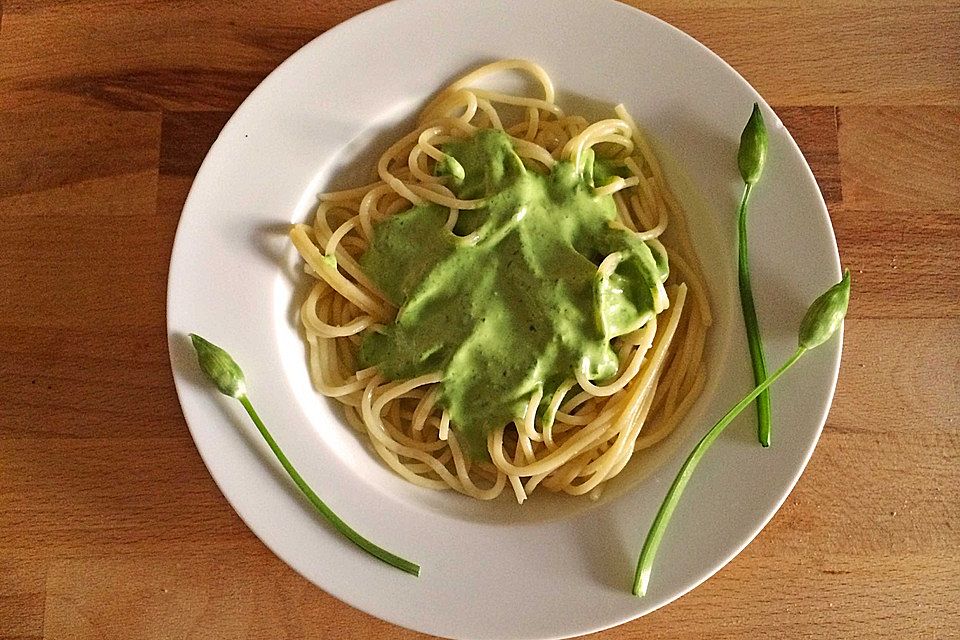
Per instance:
x=127, y=56
x=799, y=596
x=78, y=162
x=899, y=377
x=226, y=595
x=107, y=272
x=190, y=595
x=111, y=495
x=185, y=139
x=91, y=382
x=901, y=158
x=84, y=260
x=893, y=489
x=77, y=213
x=815, y=131
x=831, y=53
x=22, y=596
x=188, y=55
x=904, y=265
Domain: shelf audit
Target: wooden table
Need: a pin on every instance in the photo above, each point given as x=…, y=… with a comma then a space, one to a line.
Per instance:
x=111, y=528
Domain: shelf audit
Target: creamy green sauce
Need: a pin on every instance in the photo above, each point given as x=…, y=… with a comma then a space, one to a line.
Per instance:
x=511, y=301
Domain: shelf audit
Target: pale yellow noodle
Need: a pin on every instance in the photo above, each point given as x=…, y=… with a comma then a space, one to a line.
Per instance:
x=573, y=445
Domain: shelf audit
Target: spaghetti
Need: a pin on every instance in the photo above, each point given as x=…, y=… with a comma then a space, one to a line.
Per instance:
x=585, y=432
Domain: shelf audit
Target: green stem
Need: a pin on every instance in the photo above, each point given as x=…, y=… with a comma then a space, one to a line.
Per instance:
x=334, y=519
x=659, y=526
x=753, y=327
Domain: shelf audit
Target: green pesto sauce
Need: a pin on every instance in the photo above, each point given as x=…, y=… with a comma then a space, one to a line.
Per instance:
x=521, y=305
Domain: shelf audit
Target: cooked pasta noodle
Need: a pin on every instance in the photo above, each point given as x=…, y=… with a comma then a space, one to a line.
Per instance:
x=588, y=430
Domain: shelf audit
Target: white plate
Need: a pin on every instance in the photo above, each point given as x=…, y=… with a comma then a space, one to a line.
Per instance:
x=557, y=566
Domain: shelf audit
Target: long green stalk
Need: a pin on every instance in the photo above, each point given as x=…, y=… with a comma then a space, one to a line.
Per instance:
x=339, y=525
x=754, y=341
x=751, y=158
x=823, y=319
x=226, y=374
x=645, y=564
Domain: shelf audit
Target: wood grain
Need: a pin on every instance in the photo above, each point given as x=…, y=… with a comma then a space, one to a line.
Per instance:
x=184, y=55
x=199, y=54
x=22, y=596
x=904, y=265
x=110, y=526
x=901, y=159
x=832, y=52
x=900, y=220
x=815, y=131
